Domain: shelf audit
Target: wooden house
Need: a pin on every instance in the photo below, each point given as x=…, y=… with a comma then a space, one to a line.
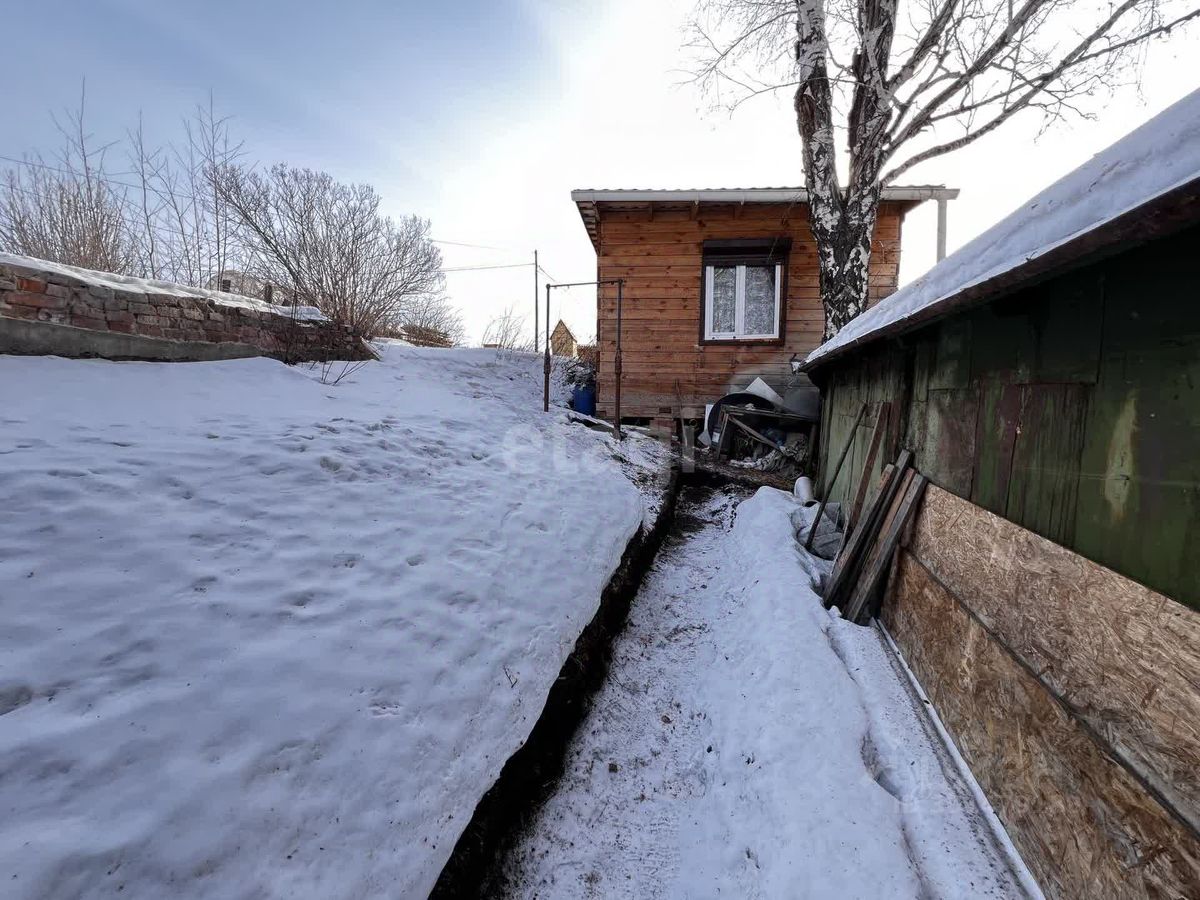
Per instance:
x=562, y=341
x=1046, y=378
x=720, y=288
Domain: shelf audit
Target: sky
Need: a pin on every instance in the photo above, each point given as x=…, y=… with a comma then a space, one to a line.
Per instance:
x=483, y=116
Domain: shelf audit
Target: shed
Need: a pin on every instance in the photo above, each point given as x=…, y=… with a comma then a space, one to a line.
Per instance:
x=562, y=341
x=1049, y=371
x=721, y=287
x=1046, y=378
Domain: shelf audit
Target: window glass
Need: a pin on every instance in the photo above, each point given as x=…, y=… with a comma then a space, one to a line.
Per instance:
x=760, y=300
x=724, y=299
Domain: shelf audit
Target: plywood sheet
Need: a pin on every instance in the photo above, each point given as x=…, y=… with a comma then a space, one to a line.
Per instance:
x=1124, y=657
x=1085, y=826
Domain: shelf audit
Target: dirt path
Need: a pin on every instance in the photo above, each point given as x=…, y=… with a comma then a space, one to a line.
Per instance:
x=724, y=757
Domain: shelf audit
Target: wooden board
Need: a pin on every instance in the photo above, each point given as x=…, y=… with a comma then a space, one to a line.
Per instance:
x=1127, y=658
x=1083, y=823
x=867, y=469
x=879, y=560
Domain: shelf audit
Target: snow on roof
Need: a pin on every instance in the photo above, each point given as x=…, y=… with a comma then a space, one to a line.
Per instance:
x=150, y=286
x=1161, y=156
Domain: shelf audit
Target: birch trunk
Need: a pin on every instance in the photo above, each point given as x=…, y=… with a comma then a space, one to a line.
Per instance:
x=843, y=221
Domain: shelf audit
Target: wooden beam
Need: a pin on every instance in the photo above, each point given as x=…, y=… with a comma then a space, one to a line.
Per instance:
x=861, y=540
x=860, y=495
x=762, y=438
x=881, y=556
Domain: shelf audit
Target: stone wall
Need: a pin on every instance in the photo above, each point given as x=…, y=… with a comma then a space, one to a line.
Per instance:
x=76, y=298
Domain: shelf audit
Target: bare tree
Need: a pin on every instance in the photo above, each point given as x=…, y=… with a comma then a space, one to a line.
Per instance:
x=435, y=315
x=908, y=82
x=66, y=209
x=507, y=332
x=330, y=242
x=189, y=234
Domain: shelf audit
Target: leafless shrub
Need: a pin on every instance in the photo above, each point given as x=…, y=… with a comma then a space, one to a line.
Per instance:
x=507, y=331
x=434, y=315
x=189, y=234
x=330, y=242
x=65, y=208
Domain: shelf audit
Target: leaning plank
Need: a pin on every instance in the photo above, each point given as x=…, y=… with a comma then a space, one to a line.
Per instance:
x=812, y=532
x=881, y=556
x=839, y=561
x=864, y=535
x=864, y=479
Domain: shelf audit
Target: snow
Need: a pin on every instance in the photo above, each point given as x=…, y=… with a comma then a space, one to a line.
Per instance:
x=750, y=744
x=150, y=286
x=1162, y=155
x=267, y=637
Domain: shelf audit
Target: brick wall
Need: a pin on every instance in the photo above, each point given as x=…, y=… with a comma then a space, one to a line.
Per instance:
x=60, y=296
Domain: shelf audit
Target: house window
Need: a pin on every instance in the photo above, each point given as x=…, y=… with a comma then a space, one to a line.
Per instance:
x=742, y=299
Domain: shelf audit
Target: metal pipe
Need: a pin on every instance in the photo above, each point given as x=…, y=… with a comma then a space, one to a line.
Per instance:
x=617, y=363
x=620, y=283
x=535, y=302
x=941, y=229
x=546, y=363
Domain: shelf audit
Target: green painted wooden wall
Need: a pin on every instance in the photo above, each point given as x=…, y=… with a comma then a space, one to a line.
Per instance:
x=1071, y=408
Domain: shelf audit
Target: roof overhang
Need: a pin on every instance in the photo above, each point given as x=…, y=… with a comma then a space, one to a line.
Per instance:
x=1164, y=215
x=591, y=201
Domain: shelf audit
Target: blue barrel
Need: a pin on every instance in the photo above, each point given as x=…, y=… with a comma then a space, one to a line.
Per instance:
x=583, y=399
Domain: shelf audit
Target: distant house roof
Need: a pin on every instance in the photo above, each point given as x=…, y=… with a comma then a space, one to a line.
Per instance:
x=588, y=200
x=1145, y=185
x=562, y=326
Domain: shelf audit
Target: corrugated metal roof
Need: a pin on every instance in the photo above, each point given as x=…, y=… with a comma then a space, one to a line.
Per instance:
x=744, y=195
x=588, y=199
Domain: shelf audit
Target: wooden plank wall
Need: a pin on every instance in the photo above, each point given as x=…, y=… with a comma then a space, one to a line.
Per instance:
x=667, y=371
x=1072, y=692
x=1071, y=408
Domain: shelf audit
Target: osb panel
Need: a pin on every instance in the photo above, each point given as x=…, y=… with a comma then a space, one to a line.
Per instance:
x=1083, y=824
x=1124, y=657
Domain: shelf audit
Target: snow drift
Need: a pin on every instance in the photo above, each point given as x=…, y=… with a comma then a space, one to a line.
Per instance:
x=268, y=637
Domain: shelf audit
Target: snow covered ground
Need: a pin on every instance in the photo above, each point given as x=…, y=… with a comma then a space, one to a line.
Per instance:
x=267, y=637
x=749, y=744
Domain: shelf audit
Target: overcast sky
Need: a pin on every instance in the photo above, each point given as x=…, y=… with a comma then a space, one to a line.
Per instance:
x=482, y=116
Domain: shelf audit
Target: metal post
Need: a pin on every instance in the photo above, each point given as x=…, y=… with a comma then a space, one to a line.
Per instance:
x=535, y=302
x=941, y=230
x=546, y=364
x=617, y=363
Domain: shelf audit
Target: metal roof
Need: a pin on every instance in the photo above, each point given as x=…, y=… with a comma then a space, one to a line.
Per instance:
x=589, y=199
x=1145, y=185
x=744, y=195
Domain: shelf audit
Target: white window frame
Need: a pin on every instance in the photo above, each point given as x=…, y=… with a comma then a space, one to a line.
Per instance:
x=739, y=316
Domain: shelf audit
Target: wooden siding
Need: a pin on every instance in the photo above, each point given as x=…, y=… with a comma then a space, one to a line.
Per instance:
x=1070, y=691
x=1071, y=408
x=667, y=370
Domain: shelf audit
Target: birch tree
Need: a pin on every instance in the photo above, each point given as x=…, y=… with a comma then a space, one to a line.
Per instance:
x=907, y=81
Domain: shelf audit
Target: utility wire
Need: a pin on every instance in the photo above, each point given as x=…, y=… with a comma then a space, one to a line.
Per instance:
x=485, y=268
x=135, y=207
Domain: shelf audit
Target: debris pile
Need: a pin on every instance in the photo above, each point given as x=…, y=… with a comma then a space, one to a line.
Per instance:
x=755, y=429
